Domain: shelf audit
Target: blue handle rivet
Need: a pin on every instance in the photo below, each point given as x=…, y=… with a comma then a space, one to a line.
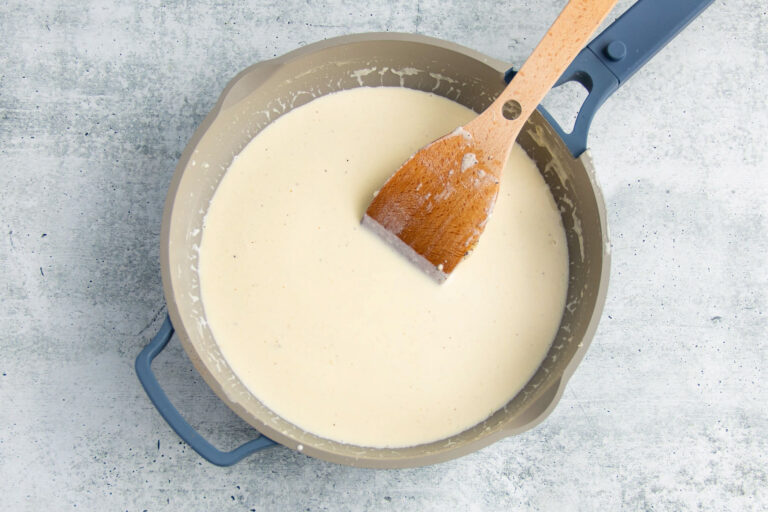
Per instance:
x=616, y=50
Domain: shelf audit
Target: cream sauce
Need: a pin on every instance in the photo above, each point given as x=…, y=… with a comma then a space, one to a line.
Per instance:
x=331, y=328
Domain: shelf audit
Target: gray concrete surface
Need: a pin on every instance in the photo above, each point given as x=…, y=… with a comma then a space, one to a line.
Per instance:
x=97, y=100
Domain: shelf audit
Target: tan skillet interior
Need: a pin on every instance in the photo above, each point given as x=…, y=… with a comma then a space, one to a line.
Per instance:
x=265, y=91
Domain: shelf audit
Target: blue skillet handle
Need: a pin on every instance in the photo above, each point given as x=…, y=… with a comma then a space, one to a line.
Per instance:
x=171, y=414
x=617, y=53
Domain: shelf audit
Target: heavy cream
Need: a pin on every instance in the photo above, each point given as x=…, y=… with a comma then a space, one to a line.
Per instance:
x=331, y=328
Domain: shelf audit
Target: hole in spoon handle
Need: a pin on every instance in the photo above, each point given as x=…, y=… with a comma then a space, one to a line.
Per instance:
x=511, y=109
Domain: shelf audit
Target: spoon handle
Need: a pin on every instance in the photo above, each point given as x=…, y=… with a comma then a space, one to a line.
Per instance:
x=563, y=41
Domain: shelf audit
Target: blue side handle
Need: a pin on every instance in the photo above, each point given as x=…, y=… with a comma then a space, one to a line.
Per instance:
x=617, y=53
x=171, y=414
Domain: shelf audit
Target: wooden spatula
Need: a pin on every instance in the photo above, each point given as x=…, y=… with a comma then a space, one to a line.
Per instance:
x=434, y=208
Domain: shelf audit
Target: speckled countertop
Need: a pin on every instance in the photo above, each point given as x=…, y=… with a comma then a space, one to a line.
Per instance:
x=97, y=101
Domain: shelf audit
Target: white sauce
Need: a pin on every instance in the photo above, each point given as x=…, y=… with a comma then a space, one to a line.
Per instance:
x=469, y=160
x=330, y=327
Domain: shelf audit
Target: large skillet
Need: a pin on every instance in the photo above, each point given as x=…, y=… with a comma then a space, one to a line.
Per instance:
x=264, y=91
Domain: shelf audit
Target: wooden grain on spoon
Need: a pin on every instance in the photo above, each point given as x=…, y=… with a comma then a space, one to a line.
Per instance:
x=435, y=207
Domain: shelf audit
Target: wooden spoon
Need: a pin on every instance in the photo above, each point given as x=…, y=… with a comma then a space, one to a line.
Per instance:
x=434, y=208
